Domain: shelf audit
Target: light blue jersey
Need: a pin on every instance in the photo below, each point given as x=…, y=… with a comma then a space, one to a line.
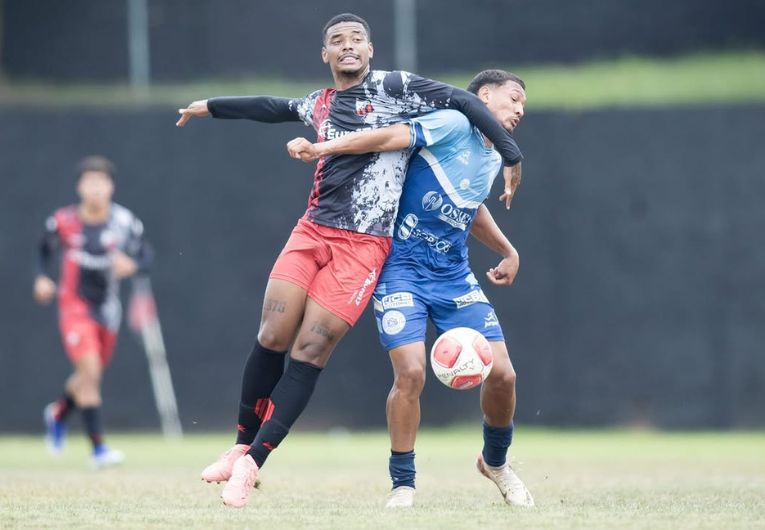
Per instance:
x=449, y=176
x=427, y=274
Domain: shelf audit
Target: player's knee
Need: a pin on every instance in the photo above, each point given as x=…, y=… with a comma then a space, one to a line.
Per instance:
x=503, y=377
x=314, y=351
x=272, y=340
x=410, y=380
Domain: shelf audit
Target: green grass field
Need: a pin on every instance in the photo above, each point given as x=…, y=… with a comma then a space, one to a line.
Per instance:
x=708, y=77
x=580, y=479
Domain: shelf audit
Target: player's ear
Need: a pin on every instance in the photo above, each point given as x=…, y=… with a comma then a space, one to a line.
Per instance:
x=484, y=93
x=324, y=55
x=371, y=50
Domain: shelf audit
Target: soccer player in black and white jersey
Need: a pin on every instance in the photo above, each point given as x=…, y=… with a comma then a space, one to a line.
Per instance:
x=327, y=271
x=99, y=243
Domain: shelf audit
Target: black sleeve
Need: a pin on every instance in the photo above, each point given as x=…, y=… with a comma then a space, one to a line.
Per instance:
x=138, y=248
x=49, y=243
x=423, y=95
x=268, y=109
x=480, y=116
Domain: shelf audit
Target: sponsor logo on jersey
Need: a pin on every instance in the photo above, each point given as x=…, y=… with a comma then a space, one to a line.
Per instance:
x=454, y=216
x=393, y=322
x=327, y=130
x=73, y=338
x=405, y=229
x=490, y=320
x=432, y=201
x=108, y=239
x=473, y=297
x=364, y=107
x=370, y=280
x=89, y=261
x=464, y=157
x=396, y=300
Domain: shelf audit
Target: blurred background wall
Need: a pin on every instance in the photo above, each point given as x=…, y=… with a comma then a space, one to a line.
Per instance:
x=641, y=295
x=86, y=39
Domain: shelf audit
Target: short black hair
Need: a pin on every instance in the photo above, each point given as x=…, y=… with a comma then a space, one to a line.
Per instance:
x=345, y=17
x=493, y=77
x=95, y=163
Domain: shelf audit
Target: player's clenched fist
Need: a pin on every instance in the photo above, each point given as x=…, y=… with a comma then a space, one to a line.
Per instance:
x=302, y=149
x=196, y=108
x=44, y=289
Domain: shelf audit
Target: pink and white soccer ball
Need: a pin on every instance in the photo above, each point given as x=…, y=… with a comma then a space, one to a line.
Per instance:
x=461, y=358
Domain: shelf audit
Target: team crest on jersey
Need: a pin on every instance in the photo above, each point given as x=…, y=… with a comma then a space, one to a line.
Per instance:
x=393, y=322
x=363, y=107
x=432, y=201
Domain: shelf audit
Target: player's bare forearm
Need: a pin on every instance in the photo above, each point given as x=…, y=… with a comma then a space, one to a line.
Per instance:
x=486, y=231
x=512, y=176
x=392, y=138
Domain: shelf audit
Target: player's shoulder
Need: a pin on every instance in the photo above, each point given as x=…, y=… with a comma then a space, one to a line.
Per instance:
x=66, y=213
x=125, y=218
x=450, y=119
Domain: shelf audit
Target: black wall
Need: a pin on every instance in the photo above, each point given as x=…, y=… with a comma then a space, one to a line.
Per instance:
x=639, y=300
x=86, y=39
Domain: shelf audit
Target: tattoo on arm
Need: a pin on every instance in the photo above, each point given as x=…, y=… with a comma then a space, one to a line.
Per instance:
x=274, y=306
x=323, y=331
x=515, y=175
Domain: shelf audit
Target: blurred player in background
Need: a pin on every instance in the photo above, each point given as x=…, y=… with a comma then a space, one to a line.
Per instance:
x=427, y=274
x=328, y=269
x=99, y=243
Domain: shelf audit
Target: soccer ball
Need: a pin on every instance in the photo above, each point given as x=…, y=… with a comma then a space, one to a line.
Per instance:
x=461, y=358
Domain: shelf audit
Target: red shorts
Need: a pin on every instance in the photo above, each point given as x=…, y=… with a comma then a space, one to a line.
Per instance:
x=338, y=268
x=83, y=336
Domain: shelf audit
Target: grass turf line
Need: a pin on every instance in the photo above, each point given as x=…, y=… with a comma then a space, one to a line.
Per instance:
x=580, y=479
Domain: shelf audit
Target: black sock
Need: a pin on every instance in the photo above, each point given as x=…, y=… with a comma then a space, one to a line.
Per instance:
x=262, y=371
x=290, y=398
x=64, y=406
x=91, y=417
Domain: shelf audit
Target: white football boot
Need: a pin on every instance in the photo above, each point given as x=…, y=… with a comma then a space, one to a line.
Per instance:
x=510, y=486
x=401, y=497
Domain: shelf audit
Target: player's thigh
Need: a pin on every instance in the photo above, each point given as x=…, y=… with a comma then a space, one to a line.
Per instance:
x=502, y=370
x=283, y=307
x=319, y=333
x=89, y=368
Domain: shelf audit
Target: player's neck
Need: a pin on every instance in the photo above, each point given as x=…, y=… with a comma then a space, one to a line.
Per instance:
x=94, y=213
x=345, y=81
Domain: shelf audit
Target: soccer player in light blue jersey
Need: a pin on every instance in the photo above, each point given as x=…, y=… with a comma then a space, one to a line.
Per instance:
x=427, y=274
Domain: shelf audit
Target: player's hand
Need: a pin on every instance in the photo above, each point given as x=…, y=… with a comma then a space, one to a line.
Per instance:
x=123, y=266
x=44, y=289
x=504, y=273
x=302, y=149
x=196, y=108
x=512, y=177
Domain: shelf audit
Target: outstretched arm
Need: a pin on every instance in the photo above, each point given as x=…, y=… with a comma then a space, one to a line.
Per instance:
x=266, y=109
x=392, y=138
x=485, y=229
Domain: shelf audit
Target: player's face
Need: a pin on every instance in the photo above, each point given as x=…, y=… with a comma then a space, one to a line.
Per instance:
x=347, y=49
x=506, y=102
x=95, y=188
